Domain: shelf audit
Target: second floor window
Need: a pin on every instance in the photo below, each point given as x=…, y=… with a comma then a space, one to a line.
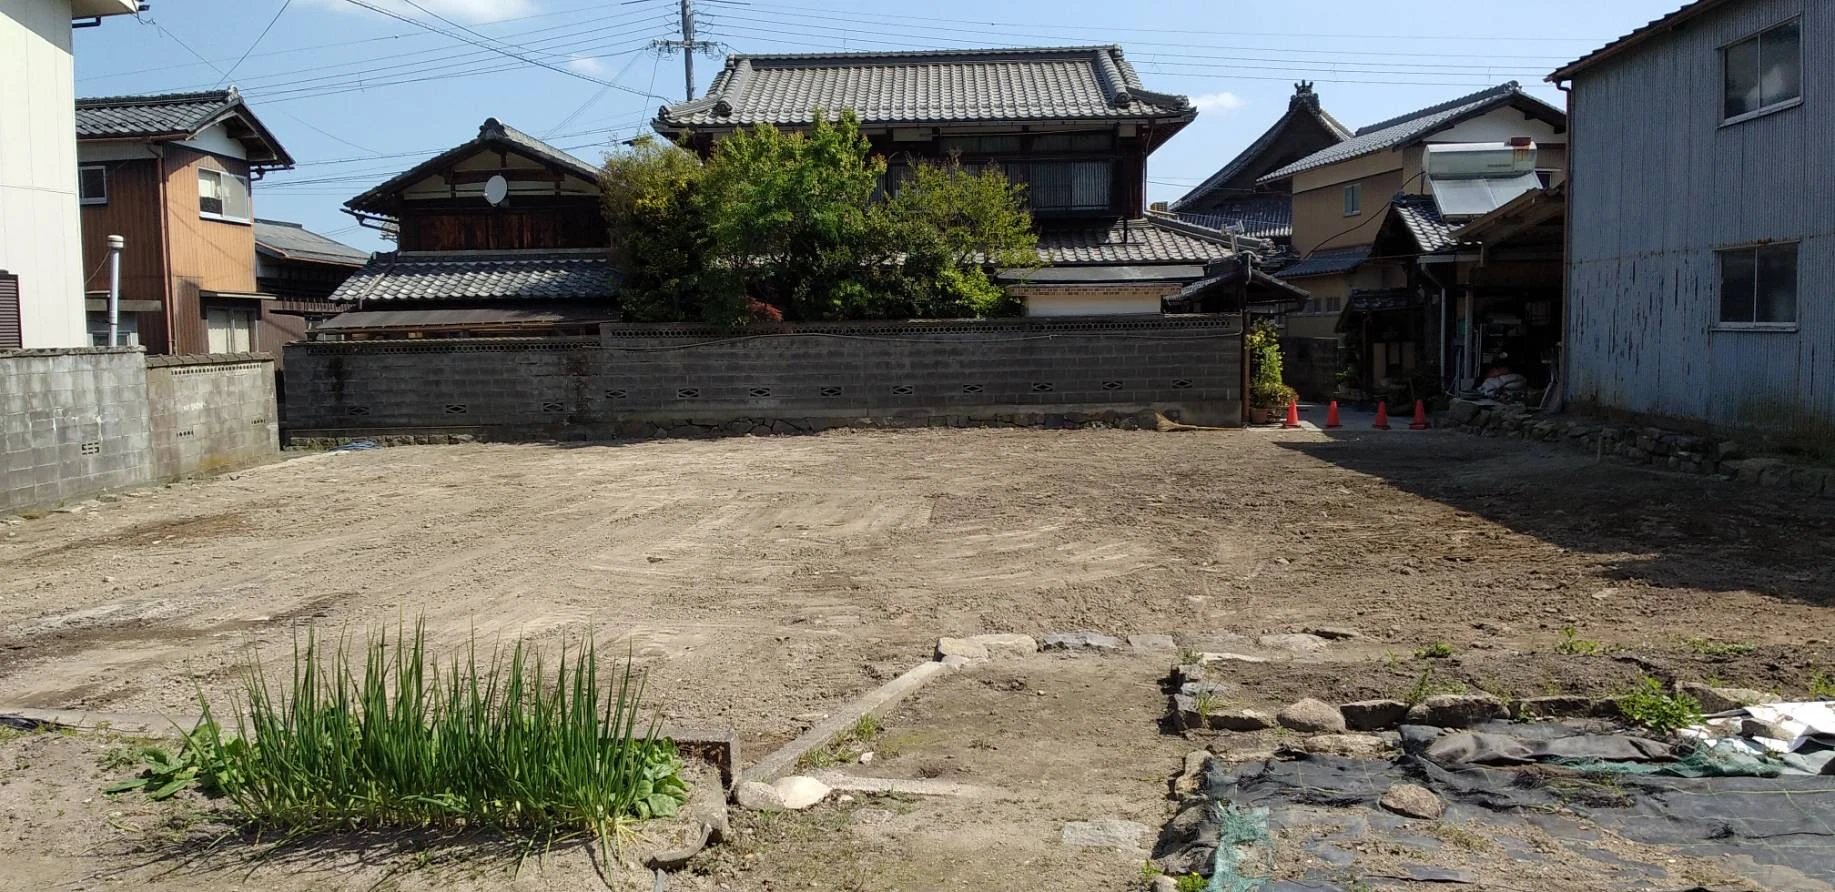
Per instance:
x=1764, y=71
x=1065, y=185
x=92, y=184
x=1353, y=199
x=1758, y=287
x=223, y=196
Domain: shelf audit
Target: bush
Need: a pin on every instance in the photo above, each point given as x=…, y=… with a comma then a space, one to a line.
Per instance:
x=394, y=742
x=1649, y=705
x=1267, y=389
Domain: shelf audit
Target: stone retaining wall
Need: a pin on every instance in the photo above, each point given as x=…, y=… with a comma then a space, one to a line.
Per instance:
x=1671, y=450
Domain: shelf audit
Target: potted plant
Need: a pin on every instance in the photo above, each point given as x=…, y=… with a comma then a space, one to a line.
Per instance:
x=1267, y=400
x=1268, y=393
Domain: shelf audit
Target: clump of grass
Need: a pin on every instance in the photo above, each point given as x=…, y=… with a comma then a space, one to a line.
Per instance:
x=1822, y=686
x=1428, y=686
x=1649, y=705
x=1573, y=645
x=1438, y=650
x=1192, y=882
x=1708, y=647
x=385, y=739
x=846, y=747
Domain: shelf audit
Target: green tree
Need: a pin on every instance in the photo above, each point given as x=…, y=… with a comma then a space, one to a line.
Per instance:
x=659, y=238
x=953, y=224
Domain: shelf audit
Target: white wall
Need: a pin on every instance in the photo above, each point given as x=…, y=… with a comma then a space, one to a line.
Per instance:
x=40, y=238
x=1094, y=301
x=1498, y=125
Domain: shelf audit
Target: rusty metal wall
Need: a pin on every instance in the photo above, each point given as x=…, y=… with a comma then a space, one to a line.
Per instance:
x=1658, y=183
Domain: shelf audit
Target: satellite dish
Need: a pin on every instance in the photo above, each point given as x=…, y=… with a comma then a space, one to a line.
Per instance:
x=496, y=189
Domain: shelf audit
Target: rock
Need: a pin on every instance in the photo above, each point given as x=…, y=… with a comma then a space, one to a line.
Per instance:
x=1107, y=833
x=1413, y=801
x=1462, y=411
x=1373, y=715
x=1081, y=641
x=1205, y=658
x=1299, y=644
x=1311, y=716
x=1561, y=707
x=758, y=797
x=1353, y=746
x=866, y=758
x=1151, y=643
x=1458, y=710
x=1241, y=720
x=1334, y=633
x=1756, y=728
x=961, y=647
x=798, y=792
x=955, y=662
x=1425, y=873
x=1004, y=644
x=872, y=816
x=1163, y=883
x=1191, y=777
x=1713, y=699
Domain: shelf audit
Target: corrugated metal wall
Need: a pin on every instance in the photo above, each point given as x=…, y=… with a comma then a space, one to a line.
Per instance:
x=1658, y=184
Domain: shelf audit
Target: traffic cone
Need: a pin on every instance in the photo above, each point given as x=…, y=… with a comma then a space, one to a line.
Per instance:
x=1331, y=416
x=1382, y=416
x=1293, y=415
x=1420, y=417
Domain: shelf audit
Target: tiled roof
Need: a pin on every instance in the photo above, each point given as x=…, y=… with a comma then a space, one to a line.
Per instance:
x=1636, y=37
x=110, y=117
x=1028, y=83
x=491, y=133
x=295, y=242
x=1325, y=263
x=1153, y=240
x=1303, y=104
x=1400, y=131
x=1421, y=216
x=1257, y=216
x=482, y=275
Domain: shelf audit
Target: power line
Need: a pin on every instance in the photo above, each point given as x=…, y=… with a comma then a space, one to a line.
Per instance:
x=251, y=47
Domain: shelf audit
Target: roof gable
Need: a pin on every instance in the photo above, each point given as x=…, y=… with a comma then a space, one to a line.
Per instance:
x=953, y=86
x=168, y=117
x=1303, y=113
x=1637, y=38
x=493, y=135
x=1407, y=129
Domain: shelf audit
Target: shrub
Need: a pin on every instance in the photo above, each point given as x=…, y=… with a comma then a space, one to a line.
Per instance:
x=394, y=742
x=1267, y=389
x=1649, y=705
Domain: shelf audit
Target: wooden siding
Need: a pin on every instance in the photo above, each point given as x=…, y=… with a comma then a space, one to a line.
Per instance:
x=203, y=254
x=133, y=213
x=1657, y=184
x=471, y=225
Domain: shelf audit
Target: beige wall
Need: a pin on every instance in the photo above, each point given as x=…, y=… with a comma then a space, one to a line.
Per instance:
x=1093, y=301
x=1319, y=221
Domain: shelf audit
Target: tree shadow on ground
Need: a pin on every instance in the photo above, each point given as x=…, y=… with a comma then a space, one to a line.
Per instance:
x=1667, y=529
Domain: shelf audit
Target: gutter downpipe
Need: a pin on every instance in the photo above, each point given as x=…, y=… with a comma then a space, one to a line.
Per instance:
x=115, y=244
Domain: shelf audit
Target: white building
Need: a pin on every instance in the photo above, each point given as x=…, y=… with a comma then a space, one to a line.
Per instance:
x=41, y=245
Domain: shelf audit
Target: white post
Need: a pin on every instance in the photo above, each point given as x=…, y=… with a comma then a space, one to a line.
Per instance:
x=115, y=244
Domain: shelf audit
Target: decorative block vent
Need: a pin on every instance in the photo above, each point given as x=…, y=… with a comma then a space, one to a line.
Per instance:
x=1042, y=387
x=457, y=408
x=551, y=406
x=831, y=391
x=187, y=432
x=903, y=390
x=93, y=447
x=617, y=394
x=759, y=392
x=972, y=388
x=1182, y=384
x=688, y=393
x=1111, y=385
x=357, y=410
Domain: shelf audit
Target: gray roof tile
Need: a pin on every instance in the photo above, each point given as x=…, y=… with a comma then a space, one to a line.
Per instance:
x=109, y=117
x=476, y=275
x=1027, y=83
x=1258, y=216
x=1405, y=129
x=1152, y=240
x=295, y=242
x=1421, y=216
x=1325, y=263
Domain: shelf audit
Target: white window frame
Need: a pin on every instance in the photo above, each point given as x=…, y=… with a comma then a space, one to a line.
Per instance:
x=225, y=217
x=1354, y=199
x=1762, y=110
x=1719, y=278
x=89, y=200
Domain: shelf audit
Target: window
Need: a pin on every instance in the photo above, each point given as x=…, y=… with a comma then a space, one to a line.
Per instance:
x=1764, y=72
x=1758, y=287
x=223, y=196
x=92, y=184
x=230, y=329
x=981, y=145
x=1353, y=199
x=1064, y=185
x=1072, y=142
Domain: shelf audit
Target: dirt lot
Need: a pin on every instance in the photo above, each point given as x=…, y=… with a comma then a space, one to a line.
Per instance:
x=765, y=581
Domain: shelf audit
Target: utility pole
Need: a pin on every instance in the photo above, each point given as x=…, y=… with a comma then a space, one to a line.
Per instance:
x=688, y=45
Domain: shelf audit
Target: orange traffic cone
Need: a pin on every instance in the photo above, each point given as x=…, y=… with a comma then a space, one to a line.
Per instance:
x=1331, y=416
x=1293, y=415
x=1420, y=417
x=1382, y=416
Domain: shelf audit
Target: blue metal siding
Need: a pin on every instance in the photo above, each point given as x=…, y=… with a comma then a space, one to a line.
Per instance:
x=1657, y=184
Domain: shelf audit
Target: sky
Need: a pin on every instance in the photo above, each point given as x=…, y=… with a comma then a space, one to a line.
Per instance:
x=358, y=90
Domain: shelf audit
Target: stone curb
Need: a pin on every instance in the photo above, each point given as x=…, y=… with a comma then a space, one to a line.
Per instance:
x=875, y=702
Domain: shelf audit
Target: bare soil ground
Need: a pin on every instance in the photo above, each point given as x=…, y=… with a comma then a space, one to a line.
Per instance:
x=763, y=582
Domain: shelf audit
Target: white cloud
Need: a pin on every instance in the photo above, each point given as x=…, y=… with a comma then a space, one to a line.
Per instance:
x=1218, y=102
x=587, y=65
x=465, y=11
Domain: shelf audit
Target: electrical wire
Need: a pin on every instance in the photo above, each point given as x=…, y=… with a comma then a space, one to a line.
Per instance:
x=258, y=38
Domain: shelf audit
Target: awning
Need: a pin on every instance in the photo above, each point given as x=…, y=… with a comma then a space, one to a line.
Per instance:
x=95, y=305
x=236, y=295
x=1325, y=263
x=484, y=317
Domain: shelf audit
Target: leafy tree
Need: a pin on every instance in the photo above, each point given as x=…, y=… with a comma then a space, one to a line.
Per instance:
x=659, y=239
x=953, y=224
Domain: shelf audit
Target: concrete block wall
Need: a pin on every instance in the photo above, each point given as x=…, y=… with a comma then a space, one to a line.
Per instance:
x=72, y=422
x=637, y=379
x=210, y=412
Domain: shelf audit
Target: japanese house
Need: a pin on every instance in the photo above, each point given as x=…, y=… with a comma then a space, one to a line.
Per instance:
x=1233, y=199
x=502, y=235
x=301, y=269
x=172, y=174
x=1075, y=124
x=1702, y=218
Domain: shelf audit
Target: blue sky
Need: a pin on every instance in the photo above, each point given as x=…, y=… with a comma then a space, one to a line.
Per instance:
x=356, y=95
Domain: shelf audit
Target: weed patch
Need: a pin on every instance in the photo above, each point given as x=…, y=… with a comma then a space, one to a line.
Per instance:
x=1708, y=647
x=1438, y=650
x=1428, y=686
x=1822, y=686
x=1573, y=645
x=1651, y=706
